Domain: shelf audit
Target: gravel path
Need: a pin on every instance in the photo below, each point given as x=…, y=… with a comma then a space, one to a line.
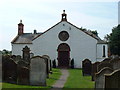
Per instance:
x=60, y=83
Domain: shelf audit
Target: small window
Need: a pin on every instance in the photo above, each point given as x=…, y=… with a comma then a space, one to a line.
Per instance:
x=104, y=51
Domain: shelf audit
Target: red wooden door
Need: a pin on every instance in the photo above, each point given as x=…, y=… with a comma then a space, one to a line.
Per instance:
x=63, y=59
x=63, y=55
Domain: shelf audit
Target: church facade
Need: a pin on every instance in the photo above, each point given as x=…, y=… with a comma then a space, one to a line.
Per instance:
x=62, y=42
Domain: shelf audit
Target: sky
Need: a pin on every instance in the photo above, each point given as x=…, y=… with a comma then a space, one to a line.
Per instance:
x=100, y=15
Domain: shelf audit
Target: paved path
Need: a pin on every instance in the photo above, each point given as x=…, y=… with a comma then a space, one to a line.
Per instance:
x=60, y=83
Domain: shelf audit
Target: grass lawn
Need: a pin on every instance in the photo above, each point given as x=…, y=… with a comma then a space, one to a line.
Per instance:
x=76, y=80
x=52, y=79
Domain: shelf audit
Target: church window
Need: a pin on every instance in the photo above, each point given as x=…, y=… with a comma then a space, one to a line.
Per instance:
x=63, y=36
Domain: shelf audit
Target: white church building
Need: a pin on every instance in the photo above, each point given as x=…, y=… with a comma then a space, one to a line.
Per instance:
x=62, y=42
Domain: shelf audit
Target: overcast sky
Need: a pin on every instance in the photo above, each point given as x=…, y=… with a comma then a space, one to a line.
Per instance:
x=42, y=14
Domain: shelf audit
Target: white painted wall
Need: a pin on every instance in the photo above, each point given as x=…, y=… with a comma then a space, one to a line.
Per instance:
x=82, y=45
x=100, y=51
x=17, y=48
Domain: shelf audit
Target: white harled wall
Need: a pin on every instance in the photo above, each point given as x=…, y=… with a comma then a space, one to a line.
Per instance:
x=82, y=45
x=100, y=52
x=17, y=48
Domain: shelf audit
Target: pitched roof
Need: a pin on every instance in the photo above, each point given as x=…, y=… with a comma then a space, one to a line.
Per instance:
x=25, y=38
x=87, y=32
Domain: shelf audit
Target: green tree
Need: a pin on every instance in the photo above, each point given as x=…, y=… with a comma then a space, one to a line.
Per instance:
x=92, y=31
x=114, y=41
x=6, y=52
x=107, y=38
x=95, y=32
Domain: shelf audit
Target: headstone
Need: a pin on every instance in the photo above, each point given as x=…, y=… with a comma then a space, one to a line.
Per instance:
x=100, y=78
x=9, y=71
x=18, y=57
x=112, y=80
x=104, y=64
x=13, y=57
x=54, y=63
x=38, y=71
x=94, y=70
x=31, y=55
x=26, y=54
x=22, y=64
x=47, y=59
x=107, y=60
x=86, y=67
x=23, y=75
x=72, y=63
x=50, y=66
x=116, y=63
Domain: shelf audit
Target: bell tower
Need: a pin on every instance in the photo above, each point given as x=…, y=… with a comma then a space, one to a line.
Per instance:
x=20, y=28
x=64, y=16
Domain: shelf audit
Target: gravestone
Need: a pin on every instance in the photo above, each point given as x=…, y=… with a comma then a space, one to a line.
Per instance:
x=31, y=55
x=112, y=80
x=47, y=59
x=50, y=66
x=94, y=70
x=54, y=63
x=116, y=63
x=86, y=67
x=9, y=70
x=18, y=58
x=22, y=64
x=38, y=71
x=107, y=60
x=26, y=54
x=13, y=57
x=23, y=75
x=72, y=63
x=100, y=78
x=104, y=64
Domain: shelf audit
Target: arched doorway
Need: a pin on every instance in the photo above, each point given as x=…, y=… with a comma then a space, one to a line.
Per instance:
x=63, y=55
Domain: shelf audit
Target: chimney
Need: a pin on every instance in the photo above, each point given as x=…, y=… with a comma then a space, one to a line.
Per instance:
x=20, y=28
x=35, y=31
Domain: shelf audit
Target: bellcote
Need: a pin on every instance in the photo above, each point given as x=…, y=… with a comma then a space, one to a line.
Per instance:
x=64, y=16
x=20, y=28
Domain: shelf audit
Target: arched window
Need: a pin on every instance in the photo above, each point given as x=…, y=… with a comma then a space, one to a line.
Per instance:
x=104, y=51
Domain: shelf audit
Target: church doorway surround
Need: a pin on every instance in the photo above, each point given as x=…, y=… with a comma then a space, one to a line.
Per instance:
x=63, y=55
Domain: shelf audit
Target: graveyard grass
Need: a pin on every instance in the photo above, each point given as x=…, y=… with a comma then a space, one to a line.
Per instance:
x=77, y=80
x=52, y=79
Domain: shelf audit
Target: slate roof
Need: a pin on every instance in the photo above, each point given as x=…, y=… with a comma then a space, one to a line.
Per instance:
x=27, y=38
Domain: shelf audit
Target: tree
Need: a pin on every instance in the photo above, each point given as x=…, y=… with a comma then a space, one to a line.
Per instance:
x=6, y=52
x=107, y=38
x=94, y=32
x=114, y=41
